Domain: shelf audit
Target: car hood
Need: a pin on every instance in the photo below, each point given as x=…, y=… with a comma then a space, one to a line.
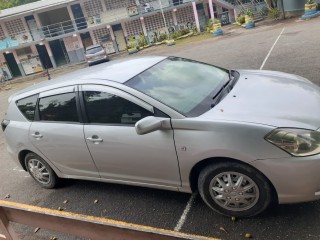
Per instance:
x=270, y=98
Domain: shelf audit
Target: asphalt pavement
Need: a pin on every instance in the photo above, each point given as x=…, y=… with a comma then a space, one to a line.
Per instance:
x=296, y=51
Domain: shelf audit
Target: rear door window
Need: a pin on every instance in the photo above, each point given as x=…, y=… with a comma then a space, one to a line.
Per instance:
x=59, y=108
x=27, y=106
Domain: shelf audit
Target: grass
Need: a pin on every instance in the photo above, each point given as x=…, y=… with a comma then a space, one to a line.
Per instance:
x=197, y=38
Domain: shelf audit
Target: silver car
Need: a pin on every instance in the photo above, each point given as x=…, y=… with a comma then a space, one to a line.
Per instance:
x=96, y=54
x=243, y=139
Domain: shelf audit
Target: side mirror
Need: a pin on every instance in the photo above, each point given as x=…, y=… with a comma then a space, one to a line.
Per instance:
x=152, y=124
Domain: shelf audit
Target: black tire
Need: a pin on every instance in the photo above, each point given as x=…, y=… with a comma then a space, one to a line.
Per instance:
x=52, y=181
x=258, y=204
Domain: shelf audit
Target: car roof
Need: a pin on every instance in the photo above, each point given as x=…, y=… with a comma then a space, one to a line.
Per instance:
x=118, y=71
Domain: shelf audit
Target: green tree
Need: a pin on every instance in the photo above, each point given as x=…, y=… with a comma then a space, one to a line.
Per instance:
x=13, y=3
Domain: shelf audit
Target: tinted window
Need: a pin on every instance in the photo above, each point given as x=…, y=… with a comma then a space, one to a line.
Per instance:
x=184, y=85
x=27, y=106
x=110, y=109
x=61, y=108
x=94, y=50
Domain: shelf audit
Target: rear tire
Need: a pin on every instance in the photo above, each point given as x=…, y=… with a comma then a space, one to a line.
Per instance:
x=40, y=171
x=234, y=189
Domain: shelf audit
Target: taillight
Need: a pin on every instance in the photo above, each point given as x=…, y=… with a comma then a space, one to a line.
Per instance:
x=88, y=58
x=4, y=124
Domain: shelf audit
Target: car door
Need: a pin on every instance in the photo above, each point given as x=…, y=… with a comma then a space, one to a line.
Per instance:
x=58, y=134
x=119, y=153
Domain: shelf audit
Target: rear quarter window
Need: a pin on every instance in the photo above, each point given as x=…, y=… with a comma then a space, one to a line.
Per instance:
x=27, y=106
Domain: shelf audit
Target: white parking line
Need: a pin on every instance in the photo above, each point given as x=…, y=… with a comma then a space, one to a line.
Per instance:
x=185, y=213
x=267, y=57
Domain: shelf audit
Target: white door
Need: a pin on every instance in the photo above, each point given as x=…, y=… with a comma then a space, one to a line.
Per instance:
x=119, y=153
x=58, y=133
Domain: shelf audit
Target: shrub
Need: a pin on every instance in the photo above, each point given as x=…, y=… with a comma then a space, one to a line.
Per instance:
x=274, y=13
x=184, y=31
x=211, y=22
x=175, y=35
x=310, y=2
x=241, y=19
x=249, y=12
x=163, y=37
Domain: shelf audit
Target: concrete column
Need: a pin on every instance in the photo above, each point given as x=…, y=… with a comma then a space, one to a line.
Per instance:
x=46, y=44
x=196, y=17
x=2, y=59
x=115, y=44
x=219, y=9
x=80, y=41
x=144, y=29
x=81, y=50
x=124, y=29
x=103, y=6
x=70, y=12
x=205, y=8
x=18, y=62
x=38, y=22
x=211, y=9
x=111, y=32
x=92, y=37
x=174, y=17
x=34, y=49
x=235, y=14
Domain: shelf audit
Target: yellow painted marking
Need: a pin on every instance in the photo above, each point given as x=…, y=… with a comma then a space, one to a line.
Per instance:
x=96, y=219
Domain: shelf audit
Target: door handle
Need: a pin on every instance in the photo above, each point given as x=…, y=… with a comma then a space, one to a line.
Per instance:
x=36, y=135
x=95, y=139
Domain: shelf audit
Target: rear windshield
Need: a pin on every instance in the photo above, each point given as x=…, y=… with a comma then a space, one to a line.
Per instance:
x=94, y=50
x=27, y=106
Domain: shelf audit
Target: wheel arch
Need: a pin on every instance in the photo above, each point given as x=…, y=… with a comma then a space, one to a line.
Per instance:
x=22, y=155
x=195, y=171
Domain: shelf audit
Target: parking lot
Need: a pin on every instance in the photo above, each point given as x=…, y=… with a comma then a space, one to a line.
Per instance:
x=291, y=46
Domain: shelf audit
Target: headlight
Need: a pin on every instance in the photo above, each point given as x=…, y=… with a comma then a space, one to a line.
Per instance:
x=297, y=142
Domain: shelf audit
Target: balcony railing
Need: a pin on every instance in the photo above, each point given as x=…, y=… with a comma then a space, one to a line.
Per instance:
x=73, y=26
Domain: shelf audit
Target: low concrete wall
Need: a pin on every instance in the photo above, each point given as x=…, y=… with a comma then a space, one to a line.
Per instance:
x=293, y=7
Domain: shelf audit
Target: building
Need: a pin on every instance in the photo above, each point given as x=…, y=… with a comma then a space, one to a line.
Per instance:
x=50, y=34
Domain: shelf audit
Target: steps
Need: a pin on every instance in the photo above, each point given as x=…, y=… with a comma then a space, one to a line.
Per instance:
x=254, y=5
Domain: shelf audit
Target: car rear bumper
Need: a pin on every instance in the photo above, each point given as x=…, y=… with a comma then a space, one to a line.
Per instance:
x=98, y=60
x=296, y=179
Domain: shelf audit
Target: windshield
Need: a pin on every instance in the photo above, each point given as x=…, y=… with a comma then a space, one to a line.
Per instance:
x=184, y=85
x=94, y=50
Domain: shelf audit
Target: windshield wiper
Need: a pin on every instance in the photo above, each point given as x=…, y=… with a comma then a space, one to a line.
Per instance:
x=226, y=88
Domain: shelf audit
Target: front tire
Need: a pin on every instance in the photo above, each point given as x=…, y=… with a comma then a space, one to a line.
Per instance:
x=40, y=171
x=234, y=189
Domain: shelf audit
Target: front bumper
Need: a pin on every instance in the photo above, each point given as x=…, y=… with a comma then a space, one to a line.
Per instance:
x=296, y=179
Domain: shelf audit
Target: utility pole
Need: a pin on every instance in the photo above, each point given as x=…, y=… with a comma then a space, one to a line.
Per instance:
x=283, y=12
x=164, y=18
